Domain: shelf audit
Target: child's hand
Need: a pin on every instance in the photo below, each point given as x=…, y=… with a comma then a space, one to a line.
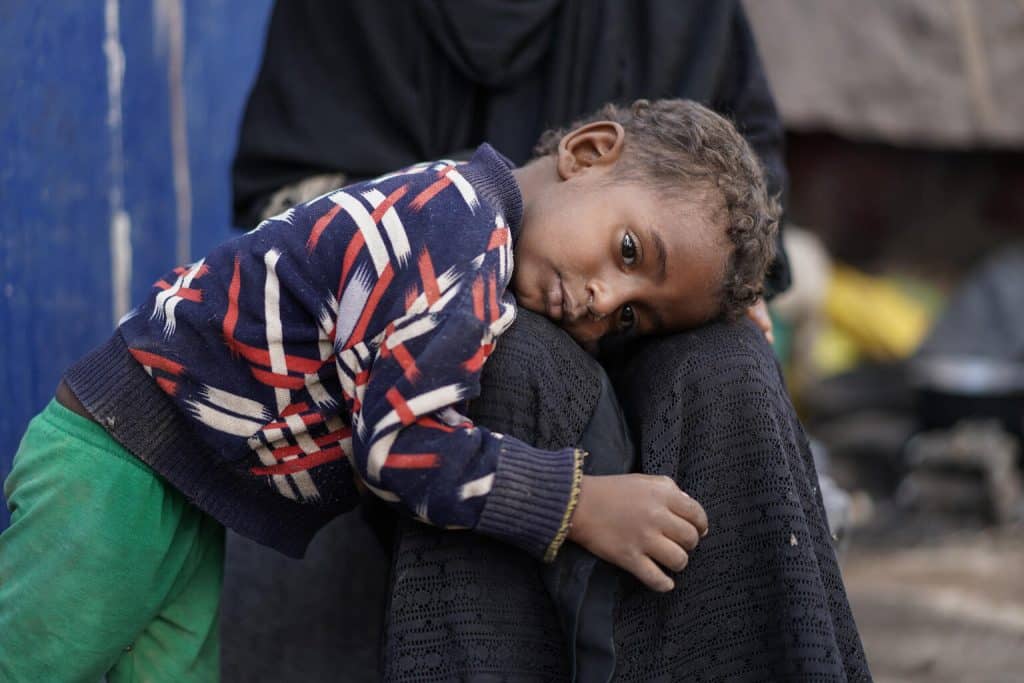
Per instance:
x=638, y=521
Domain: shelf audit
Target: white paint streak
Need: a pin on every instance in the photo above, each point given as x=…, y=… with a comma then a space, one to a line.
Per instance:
x=120, y=234
x=169, y=33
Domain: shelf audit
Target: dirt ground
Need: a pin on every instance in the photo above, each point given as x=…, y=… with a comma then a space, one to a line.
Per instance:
x=942, y=609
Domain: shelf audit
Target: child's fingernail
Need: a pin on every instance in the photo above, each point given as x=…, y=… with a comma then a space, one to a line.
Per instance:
x=706, y=530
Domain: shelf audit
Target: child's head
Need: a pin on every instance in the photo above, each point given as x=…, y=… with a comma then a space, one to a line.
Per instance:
x=643, y=219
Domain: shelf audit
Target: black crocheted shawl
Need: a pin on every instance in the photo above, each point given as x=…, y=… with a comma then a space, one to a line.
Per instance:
x=762, y=598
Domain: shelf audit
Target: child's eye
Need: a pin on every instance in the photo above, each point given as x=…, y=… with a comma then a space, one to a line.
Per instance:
x=628, y=249
x=627, y=318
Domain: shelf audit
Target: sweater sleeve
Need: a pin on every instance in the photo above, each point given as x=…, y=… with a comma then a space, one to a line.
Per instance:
x=412, y=447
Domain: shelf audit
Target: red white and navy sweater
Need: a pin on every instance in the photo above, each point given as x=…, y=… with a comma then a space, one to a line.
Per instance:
x=344, y=334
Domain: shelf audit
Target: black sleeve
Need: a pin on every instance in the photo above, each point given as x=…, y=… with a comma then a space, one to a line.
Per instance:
x=336, y=93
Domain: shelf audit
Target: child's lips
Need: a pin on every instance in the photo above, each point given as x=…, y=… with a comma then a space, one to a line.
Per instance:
x=570, y=312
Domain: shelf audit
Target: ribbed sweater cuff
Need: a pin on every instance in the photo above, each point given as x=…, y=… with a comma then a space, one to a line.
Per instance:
x=533, y=497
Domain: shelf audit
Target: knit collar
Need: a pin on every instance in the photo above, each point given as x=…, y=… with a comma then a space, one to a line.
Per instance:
x=490, y=173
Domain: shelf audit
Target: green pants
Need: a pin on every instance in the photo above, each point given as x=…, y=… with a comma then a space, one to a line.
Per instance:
x=104, y=569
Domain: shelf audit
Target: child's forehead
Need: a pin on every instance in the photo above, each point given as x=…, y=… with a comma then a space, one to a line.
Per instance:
x=697, y=251
x=688, y=220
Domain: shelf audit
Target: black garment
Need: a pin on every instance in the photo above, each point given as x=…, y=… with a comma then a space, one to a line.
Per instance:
x=314, y=620
x=762, y=598
x=365, y=87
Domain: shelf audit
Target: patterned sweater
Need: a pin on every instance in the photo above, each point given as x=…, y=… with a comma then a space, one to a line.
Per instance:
x=343, y=336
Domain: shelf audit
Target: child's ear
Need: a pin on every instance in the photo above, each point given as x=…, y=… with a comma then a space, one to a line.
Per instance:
x=595, y=144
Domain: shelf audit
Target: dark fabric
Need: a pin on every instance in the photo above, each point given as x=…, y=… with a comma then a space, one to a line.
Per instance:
x=584, y=589
x=762, y=598
x=363, y=87
x=315, y=620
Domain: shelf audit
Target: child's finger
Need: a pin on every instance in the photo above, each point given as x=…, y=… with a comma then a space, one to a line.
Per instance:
x=670, y=554
x=682, y=532
x=690, y=510
x=651, y=575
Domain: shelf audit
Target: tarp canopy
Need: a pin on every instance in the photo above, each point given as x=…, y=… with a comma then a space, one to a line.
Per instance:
x=947, y=73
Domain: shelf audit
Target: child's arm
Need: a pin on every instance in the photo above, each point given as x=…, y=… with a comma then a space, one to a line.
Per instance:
x=411, y=446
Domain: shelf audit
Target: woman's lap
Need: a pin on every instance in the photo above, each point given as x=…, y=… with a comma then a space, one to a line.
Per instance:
x=762, y=597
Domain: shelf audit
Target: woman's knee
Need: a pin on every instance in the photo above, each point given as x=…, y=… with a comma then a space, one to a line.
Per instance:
x=538, y=385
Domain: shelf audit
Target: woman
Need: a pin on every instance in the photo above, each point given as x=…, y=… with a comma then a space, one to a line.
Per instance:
x=354, y=89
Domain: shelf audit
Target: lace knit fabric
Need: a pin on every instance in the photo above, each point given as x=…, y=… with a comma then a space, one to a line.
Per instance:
x=762, y=598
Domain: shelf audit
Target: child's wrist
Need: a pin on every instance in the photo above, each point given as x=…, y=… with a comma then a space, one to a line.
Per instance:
x=578, y=520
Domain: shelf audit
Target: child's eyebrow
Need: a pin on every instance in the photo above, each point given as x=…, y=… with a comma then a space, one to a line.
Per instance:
x=659, y=252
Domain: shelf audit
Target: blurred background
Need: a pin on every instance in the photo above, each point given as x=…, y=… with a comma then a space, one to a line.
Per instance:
x=902, y=339
x=903, y=336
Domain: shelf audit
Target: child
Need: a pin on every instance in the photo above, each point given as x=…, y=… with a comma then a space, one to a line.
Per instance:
x=331, y=347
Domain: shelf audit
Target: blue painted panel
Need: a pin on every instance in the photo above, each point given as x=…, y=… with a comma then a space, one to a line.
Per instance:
x=53, y=188
x=56, y=293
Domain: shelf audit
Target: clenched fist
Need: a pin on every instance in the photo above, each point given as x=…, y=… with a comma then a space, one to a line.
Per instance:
x=638, y=522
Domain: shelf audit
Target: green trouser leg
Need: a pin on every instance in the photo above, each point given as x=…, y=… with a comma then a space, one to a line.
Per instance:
x=104, y=569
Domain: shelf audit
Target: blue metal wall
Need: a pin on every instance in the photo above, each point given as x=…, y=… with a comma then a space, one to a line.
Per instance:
x=82, y=141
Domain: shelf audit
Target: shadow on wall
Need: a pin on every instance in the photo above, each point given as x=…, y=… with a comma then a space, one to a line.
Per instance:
x=115, y=149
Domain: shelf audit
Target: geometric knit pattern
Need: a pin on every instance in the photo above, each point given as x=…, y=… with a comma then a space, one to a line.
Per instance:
x=345, y=336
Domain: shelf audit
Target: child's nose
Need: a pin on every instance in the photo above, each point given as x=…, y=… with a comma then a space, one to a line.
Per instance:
x=600, y=311
x=606, y=297
x=600, y=302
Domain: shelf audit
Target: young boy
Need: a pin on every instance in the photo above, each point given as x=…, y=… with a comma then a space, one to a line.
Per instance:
x=331, y=348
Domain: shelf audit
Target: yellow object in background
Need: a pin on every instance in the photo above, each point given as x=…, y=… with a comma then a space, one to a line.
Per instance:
x=834, y=351
x=874, y=314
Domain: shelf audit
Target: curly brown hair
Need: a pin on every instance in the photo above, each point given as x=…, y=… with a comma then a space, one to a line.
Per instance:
x=682, y=145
